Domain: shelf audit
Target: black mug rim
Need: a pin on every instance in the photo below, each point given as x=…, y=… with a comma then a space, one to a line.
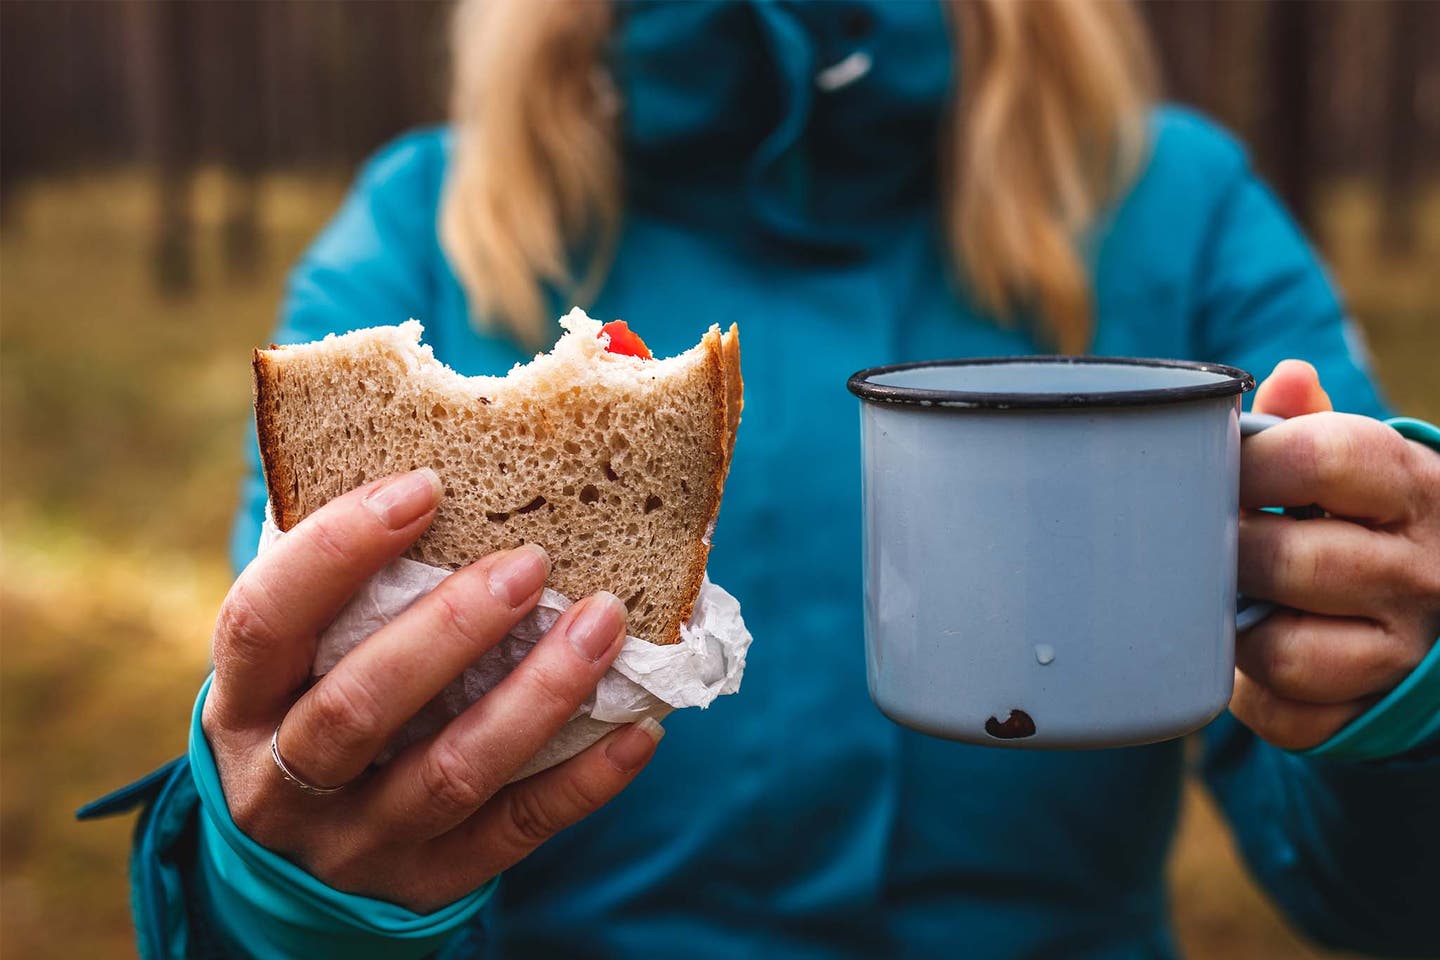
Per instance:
x=1235, y=382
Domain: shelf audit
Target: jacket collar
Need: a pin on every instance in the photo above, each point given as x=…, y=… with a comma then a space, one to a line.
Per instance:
x=816, y=124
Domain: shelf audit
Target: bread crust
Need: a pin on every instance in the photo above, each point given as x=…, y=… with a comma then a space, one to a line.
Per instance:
x=278, y=473
x=720, y=373
x=734, y=388
x=717, y=381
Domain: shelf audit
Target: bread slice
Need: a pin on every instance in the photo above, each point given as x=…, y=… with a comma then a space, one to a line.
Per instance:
x=613, y=464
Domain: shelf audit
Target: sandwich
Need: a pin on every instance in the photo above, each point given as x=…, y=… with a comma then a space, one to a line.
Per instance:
x=612, y=460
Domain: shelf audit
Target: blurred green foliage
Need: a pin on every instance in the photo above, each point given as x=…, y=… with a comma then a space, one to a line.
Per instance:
x=121, y=430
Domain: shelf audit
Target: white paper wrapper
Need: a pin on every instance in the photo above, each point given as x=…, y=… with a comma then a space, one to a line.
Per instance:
x=644, y=681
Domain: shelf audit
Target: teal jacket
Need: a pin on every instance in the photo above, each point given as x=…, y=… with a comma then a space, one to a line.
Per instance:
x=793, y=820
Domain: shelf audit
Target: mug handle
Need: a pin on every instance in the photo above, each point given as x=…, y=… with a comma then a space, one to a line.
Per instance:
x=1248, y=612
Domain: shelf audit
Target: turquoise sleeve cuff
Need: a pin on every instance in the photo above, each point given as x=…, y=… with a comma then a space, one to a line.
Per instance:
x=270, y=908
x=1409, y=716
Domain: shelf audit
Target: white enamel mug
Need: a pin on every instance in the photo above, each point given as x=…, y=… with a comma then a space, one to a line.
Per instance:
x=1050, y=546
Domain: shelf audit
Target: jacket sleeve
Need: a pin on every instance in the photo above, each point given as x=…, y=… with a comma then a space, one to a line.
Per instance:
x=1345, y=847
x=259, y=904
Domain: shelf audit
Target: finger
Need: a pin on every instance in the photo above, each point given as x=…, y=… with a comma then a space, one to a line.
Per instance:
x=1352, y=466
x=1292, y=390
x=264, y=639
x=1322, y=659
x=434, y=786
x=339, y=726
x=1290, y=724
x=1328, y=566
x=526, y=814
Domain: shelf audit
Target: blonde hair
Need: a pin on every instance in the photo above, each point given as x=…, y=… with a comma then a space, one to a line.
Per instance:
x=1047, y=127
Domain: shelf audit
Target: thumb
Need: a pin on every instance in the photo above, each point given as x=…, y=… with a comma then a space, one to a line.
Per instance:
x=1292, y=390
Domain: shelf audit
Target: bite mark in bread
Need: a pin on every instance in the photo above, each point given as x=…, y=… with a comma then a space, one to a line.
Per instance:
x=614, y=464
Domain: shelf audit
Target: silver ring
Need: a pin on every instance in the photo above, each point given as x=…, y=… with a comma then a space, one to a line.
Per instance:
x=292, y=776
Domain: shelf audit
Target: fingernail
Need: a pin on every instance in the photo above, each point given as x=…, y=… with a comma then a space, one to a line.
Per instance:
x=600, y=622
x=518, y=573
x=629, y=750
x=402, y=500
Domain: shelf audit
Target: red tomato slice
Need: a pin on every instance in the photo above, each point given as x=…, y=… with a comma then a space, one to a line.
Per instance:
x=625, y=341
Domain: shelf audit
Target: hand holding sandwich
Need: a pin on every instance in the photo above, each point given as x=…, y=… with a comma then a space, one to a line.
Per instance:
x=437, y=821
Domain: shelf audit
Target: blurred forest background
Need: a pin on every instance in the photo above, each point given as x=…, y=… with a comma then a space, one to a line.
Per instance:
x=161, y=165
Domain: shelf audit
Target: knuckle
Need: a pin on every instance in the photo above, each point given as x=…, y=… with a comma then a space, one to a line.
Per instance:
x=457, y=615
x=1415, y=470
x=582, y=796
x=346, y=713
x=1393, y=444
x=1425, y=465
x=452, y=781
x=1424, y=577
x=1327, y=451
x=1397, y=577
x=210, y=722
x=327, y=538
x=214, y=723
x=1296, y=558
x=1280, y=662
x=1355, y=658
x=530, y=819
x=1393, y=659
x=549, y=691
x=1364, y=664
x=242, y=630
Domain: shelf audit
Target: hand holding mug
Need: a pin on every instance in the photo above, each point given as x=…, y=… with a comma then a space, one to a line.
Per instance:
x=1360, y=587
x=1051, y=551
x=438, y=820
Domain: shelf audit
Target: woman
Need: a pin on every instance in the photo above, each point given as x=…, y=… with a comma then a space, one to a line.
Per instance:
x=858, y=183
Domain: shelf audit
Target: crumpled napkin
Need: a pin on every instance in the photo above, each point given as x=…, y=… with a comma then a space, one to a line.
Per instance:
x=645, y=680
